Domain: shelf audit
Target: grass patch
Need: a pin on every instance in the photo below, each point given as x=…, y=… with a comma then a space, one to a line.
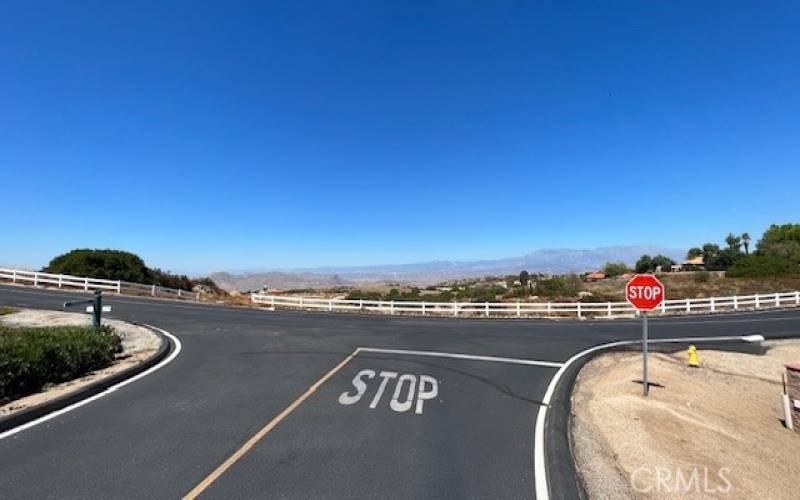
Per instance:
x=6, y=310
x=30, y=358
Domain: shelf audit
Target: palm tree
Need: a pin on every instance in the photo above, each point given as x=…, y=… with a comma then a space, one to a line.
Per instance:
x=734, y=242
x=746, y=241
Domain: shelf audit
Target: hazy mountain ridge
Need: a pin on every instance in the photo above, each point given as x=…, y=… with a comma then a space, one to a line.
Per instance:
x=426, y=273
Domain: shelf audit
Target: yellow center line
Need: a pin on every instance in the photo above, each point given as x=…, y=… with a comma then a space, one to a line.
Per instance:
x=205, y=483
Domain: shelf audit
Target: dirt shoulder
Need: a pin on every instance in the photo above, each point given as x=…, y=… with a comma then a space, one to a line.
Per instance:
x=138, y=344
x=709, y=432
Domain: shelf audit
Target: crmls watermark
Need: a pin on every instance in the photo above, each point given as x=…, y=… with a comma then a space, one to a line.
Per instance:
x=677, y=480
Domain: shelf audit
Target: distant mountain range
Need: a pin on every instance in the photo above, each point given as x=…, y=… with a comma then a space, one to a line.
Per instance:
x=427, y=273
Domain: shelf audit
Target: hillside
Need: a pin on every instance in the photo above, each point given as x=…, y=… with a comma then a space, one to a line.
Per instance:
x=427, y=273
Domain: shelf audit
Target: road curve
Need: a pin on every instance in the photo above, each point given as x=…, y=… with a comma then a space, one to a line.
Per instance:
x=242, y=370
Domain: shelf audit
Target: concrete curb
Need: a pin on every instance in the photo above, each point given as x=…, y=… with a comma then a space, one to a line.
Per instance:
x=563, y=479
x=24, y=416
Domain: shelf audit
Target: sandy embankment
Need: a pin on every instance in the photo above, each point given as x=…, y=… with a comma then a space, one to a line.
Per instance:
x=709, y=432
x=138, y=344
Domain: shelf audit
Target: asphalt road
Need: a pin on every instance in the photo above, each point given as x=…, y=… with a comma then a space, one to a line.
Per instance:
x=440, y=427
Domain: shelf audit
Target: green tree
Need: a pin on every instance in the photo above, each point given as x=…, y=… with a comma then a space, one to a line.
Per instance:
x=662, y=261
x=105, y=264
x=710, y=253
x=119, y=265
x=781, y=241
x=746, y=242
x=615, y=268
x=647, y=264
x=763, y=266
x=644, y=264
x=694, y=252
x=727, y=257
x=734, y=242
x=524, y=277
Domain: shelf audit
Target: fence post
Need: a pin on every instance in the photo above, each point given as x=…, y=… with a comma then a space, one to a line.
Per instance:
x=301, y=302
x=423, y=308
x=330, y=305
x=758, y=304
x=273, y=301
x=391, y=307
x=179, y=293
x=663, y=307
x=14, y=276
x=713, y=305
x=549, y=310
x=153, y=291
x=735, y=302
x=455, y=308
x=797, y=298
x=777, y=300
x=60, y=280
x=519, y=312
x=360, y=304
x=688, y=306
x=486, y=308
x=198, y=297
x=85, y=284
x=609, y=309
x=119, y=287
x=579, y=310
x=35, y=279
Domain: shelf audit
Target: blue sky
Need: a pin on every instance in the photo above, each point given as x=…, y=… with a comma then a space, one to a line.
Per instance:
x=244, y=135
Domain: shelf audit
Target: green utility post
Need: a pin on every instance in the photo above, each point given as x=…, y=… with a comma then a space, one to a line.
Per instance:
x=97, y=307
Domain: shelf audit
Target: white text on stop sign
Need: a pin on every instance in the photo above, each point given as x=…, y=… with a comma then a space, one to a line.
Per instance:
x=644, y=292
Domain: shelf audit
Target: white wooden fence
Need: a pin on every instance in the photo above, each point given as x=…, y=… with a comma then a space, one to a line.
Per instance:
x=532, y=309
x=81, y=282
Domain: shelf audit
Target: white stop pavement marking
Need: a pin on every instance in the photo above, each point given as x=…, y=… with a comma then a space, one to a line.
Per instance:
x=406, y=390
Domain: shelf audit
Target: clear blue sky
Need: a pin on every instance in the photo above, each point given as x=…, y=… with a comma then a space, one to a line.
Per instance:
x=279, y=134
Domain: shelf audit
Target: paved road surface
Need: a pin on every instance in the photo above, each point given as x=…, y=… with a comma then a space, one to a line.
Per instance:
x=465, y=429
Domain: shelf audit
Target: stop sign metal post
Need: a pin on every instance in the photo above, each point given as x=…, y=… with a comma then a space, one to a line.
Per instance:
x=644, y=292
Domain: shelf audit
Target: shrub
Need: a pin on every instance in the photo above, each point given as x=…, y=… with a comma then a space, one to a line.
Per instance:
x=763, y=266
x=121, y=265
x=612, y=269
x=33, y=357
x=781, y=241
x=559, y=286
x=105, y=264
x=363, y=295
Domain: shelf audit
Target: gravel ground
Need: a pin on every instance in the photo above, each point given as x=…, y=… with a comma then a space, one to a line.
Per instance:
x=138, y=344
x=709, y=432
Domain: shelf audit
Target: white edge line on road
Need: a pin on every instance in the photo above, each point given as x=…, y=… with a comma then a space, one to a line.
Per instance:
x=471, y=357
x=100, y=394
x=539, y=466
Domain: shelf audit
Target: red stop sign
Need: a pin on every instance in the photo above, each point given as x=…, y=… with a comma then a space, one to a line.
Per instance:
x=644, y=292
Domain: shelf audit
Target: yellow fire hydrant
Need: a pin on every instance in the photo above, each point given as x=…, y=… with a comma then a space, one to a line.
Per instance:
x=694, y=361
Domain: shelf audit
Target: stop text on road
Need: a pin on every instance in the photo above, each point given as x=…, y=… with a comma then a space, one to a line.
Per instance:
x=407, y=392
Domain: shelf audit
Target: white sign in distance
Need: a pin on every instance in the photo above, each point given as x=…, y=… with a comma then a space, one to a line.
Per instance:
x=105, y=309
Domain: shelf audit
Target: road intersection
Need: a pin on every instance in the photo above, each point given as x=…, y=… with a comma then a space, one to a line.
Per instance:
x=317, y=405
